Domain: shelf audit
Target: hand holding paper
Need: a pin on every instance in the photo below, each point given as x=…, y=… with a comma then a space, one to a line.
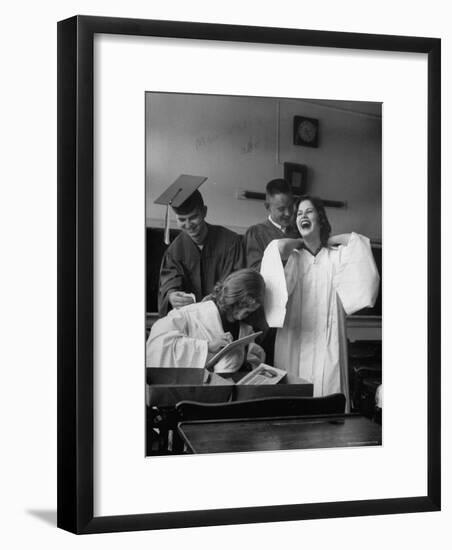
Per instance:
x=219, y=343
x=179, y=299
x=230, y=347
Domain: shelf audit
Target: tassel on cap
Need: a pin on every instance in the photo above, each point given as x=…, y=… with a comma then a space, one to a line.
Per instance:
x=166, y=233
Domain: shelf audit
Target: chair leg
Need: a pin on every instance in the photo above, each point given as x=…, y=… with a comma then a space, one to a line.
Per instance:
x=178, y=444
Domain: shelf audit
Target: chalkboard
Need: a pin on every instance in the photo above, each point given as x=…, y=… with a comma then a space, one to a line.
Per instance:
x=155, y=248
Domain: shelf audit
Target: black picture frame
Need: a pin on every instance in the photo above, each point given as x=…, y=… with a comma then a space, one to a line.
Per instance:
x=297, y=177
x=76, y=265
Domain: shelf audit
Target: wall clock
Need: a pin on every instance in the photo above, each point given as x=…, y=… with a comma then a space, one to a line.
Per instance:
x=306, y=131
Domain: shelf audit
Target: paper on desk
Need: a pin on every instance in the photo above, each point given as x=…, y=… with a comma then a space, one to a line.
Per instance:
x=263, y=375
x=272, y=270
x=232, y=346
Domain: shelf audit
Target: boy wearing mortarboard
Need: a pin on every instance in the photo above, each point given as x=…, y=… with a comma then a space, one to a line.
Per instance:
x=201, y=255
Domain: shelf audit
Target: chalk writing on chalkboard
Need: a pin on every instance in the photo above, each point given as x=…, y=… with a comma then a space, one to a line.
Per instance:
x=244, y=133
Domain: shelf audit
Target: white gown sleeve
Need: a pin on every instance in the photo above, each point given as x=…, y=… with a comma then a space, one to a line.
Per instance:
x=356, y=279
x=272, y=271
x=231, y=362
x=169, y=346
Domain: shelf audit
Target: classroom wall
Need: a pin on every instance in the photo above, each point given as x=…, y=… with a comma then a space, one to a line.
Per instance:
x=241, y=143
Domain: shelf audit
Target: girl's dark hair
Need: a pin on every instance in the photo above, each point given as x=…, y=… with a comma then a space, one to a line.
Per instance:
x=242, y=288
x=325, y=227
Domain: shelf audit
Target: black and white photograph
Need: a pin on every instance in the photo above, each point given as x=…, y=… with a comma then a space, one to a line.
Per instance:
x=226, y=247
x=263, y=273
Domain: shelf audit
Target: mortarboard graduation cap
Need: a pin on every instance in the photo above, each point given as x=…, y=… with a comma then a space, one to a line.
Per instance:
x=183, y=196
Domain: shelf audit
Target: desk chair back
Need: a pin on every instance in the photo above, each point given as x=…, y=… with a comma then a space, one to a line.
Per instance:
x=261, y=408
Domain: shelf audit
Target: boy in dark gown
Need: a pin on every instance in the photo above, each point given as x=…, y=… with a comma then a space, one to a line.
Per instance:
x=278, y=225
x=200, y=256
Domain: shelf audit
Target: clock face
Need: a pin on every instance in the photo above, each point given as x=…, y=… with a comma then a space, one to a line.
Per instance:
x=306, y=131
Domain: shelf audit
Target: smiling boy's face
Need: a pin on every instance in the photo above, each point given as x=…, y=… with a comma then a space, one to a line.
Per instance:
x=280, y=208
x=194, y=224
x=307, y=219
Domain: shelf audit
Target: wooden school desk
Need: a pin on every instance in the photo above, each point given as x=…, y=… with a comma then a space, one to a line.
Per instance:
x=269, y=434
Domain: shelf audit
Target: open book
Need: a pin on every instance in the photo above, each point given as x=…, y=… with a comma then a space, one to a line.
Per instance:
x=230, y=347
x=263, y=375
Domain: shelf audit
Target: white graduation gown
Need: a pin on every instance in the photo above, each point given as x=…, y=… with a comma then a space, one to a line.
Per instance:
x=180, y=339
x=315, y=291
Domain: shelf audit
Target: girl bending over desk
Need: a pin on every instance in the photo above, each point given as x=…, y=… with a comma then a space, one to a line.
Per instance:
x=191, y=335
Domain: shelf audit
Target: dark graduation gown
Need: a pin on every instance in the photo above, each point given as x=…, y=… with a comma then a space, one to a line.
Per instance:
x=185, y=267
x=259, y=236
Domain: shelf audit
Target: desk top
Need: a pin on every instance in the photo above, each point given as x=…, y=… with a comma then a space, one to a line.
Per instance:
x=269, y=434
